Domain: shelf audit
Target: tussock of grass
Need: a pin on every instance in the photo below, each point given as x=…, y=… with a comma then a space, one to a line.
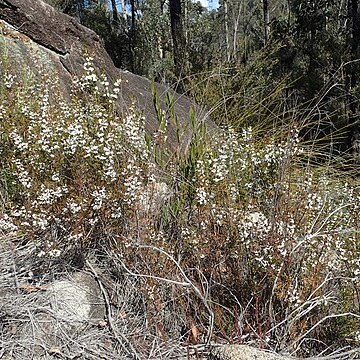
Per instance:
x=238, y=237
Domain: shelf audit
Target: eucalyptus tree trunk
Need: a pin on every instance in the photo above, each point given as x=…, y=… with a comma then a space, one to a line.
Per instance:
x=236, y=28
x=132, y=36
x=178, y=39
x=227, y=34
x=114, y=12
x=354, y=33
x=266, y=17
x=123, y=9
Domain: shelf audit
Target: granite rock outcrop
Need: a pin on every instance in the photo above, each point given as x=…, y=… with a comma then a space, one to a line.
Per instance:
x=34, y=32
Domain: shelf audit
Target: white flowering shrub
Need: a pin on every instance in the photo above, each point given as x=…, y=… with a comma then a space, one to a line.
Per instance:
x=77, y=169
x=273, y=242
x=277, y=233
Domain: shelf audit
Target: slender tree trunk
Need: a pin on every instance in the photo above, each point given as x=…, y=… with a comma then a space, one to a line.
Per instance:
x=133, y=15
x=177, y=33
x=266, y=17
x=227, y=34
x=161, y=40
x=355, y=38
x=123, y=11
x=114, y=12
x=288, y=15
x=236, y=27
x=132, y=35
x=354, y=20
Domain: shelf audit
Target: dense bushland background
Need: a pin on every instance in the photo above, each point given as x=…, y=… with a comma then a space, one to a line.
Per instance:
x=311, y=46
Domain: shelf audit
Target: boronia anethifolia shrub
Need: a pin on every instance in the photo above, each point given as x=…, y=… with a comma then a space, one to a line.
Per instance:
x=272, y=245
x=76, y=168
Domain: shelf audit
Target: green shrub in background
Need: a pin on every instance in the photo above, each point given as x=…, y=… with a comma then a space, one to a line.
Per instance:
x=252, y=242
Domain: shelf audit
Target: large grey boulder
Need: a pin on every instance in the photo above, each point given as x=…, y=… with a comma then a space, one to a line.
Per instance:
x=33, y=31
x=76, y=300
x=246, y=352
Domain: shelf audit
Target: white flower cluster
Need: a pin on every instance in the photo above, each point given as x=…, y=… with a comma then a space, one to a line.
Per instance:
x=75, y=160
x=237, y=162
x=202, y=183
x=235, y=167
x=254, y=227
x=133, y=184
x=134, y=131
x=98, y=198
x=49, y=196
x=9, y=80
x=229, y=149
x=7, y=224
x=100, y=85
x=19, y=142
x=90, y=77
x=201, y=196
x=73, y=207
x=49, y=249
x=2, y=111
x=23, y=174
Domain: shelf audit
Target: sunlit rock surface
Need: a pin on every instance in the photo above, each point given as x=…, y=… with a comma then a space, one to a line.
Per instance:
x=32, y=32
